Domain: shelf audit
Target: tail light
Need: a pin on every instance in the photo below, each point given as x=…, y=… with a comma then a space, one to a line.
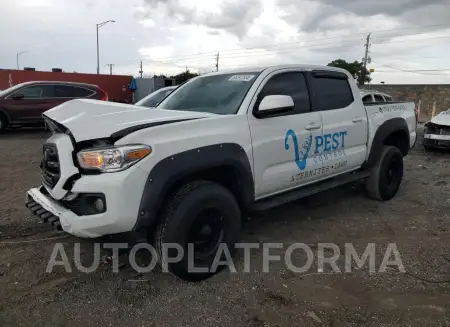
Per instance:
x=416, y=111
x=105, y=95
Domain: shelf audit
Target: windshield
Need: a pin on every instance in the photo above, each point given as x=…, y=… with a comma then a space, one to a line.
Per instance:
x=154, y=98
x=217, y=94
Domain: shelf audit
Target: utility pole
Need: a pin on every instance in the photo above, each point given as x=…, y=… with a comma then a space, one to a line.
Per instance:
x=110, y=68
x=366, y=59
x=217, y=62
x=98, y=54
x=141, y=71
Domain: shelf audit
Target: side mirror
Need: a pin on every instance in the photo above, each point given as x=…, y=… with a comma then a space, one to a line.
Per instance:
x=18, y=96
x=274, y=104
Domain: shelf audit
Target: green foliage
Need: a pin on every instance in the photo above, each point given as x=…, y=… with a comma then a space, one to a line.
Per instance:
x=356, y=69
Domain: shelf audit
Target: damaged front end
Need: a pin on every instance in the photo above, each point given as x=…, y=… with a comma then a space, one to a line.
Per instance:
x=436, y=136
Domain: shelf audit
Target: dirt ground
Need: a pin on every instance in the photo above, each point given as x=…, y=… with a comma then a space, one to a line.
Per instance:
x=417, y=220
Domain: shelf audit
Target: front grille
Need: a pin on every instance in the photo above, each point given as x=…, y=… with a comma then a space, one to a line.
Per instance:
x=445, y=131
x=50, y=170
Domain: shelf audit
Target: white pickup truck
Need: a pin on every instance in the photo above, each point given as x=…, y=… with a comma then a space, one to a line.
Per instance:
x=219, y=148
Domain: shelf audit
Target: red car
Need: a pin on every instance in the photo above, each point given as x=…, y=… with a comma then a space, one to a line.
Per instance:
x=23, y=104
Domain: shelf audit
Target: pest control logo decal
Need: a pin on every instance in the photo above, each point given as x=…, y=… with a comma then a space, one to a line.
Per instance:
x=300, y=156
x=328, y=149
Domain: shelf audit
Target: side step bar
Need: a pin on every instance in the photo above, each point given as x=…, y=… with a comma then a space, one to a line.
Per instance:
x=302, y=192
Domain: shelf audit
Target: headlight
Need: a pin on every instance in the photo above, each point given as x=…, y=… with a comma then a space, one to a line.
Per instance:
x=112, y=159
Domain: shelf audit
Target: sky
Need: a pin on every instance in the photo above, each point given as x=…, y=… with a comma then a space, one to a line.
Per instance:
x=409, y=43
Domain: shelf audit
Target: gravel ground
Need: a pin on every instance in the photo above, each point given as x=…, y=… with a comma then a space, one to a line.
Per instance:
x=417, y=220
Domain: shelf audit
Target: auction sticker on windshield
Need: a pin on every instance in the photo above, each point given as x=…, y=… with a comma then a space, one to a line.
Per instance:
x=241, y=78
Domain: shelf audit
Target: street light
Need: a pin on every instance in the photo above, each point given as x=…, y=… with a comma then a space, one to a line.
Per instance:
x=17, y=58
x=98, y=58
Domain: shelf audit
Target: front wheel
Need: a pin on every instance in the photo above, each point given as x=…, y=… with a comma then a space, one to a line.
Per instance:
x=205, y=215
x=386, y=176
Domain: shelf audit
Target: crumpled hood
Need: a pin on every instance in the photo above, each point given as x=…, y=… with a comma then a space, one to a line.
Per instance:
x=94, y=119
x=441, y=119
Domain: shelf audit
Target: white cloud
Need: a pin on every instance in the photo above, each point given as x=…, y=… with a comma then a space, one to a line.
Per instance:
x=147, y=22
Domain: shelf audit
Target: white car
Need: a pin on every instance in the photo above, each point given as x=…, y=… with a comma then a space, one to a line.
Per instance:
x=155, y=97
x=220, y=147
x=437, y=131
x=372, y=96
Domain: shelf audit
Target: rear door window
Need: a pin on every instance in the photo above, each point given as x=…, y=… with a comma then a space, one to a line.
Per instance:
x=332, y=93
x=69, y=91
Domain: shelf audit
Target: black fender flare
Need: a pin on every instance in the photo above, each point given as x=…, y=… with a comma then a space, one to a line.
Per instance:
x=165, y=174
x=384, y=130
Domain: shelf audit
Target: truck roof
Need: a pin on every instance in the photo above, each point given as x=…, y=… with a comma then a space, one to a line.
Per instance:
x=277, y=67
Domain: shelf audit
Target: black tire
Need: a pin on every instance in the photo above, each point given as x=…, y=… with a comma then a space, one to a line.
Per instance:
x=187, y=211
x=386, y=176
x=3, y=123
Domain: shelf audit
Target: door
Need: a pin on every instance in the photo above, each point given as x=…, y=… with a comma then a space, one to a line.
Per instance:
x=27, y=104
x=343, y=146
x=282, y=143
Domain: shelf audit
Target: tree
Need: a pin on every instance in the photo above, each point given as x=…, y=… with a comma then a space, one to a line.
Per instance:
x=182, y=77
x=356, y=69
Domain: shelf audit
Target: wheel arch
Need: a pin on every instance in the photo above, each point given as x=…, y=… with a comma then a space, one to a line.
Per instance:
x=393, y=132
x=226, y=164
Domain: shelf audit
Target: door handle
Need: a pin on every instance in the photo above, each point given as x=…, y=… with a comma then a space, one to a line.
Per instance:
x=313, y=126
x=357, y=119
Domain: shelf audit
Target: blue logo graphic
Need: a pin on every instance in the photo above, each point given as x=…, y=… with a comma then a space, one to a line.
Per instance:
x=326, y=145
x=300, y=157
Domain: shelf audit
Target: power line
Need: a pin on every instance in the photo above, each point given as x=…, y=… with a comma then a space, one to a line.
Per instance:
x=294, y=50
x=210, y=53
x=305, y=49
x=407, y=57
x=418, y=71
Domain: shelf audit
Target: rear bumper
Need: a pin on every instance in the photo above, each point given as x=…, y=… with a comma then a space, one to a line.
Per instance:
x=437, y=141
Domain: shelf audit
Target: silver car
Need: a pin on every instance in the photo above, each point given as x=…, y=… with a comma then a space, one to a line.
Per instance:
x=155, y=97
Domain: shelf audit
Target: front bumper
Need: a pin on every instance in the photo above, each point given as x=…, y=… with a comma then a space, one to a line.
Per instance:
x=122, y=191
x=41, y=207
x=436, y=141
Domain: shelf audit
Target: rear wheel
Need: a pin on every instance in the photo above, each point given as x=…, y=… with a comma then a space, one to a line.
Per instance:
x=3, y=123
x=204, y=215
x=386, y=176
